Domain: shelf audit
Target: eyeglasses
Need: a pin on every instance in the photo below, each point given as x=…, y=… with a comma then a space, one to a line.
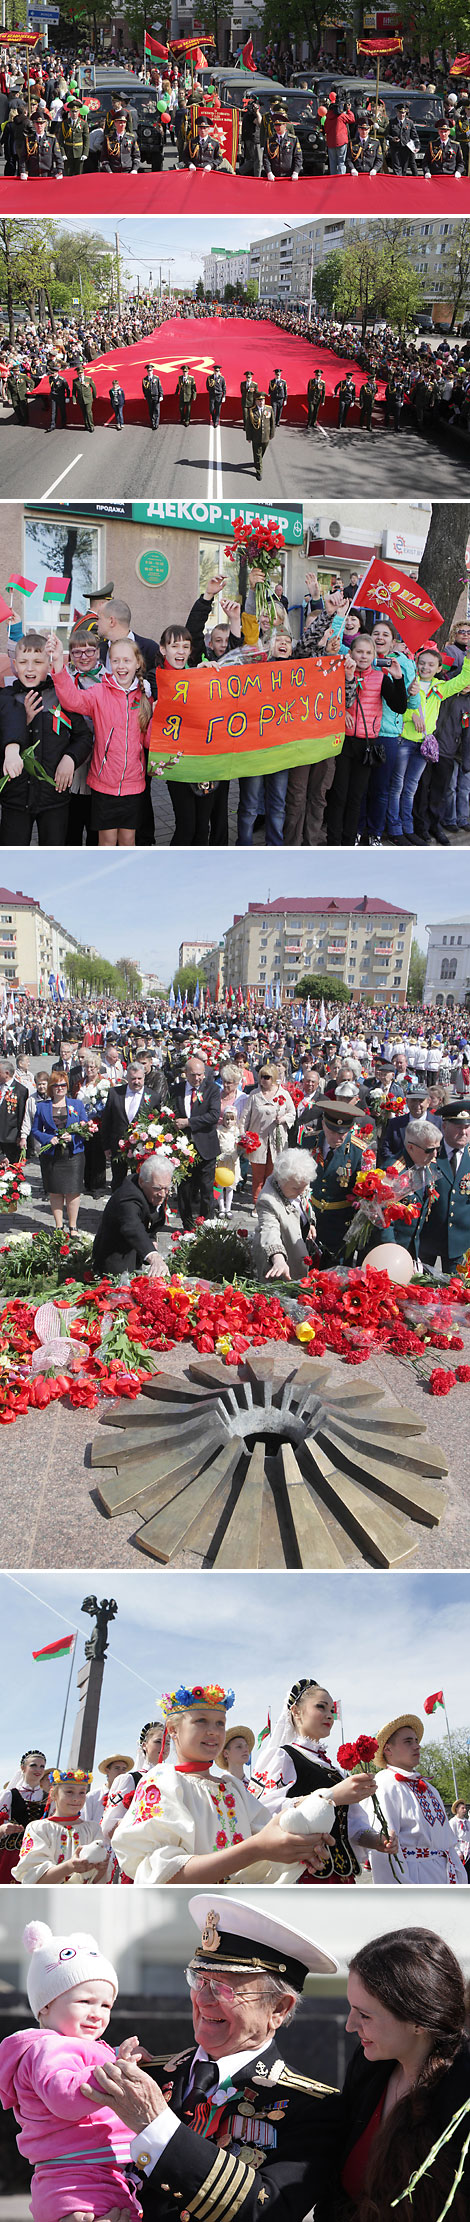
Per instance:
x=200, y=1982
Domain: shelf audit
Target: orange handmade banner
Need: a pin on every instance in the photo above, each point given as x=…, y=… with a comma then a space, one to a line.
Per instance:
x=248, y=718
x=379, y=46
x=392, y=593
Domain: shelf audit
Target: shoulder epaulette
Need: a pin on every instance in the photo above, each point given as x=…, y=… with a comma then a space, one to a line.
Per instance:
x=290, y=2080
x=159, y=2059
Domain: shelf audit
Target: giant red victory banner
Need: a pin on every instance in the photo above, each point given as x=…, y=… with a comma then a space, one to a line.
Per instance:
x=391, y=593
x=248, y=718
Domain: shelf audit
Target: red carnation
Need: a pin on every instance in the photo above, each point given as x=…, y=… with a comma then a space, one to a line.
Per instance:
x=346, y=1756
x=440, y=1382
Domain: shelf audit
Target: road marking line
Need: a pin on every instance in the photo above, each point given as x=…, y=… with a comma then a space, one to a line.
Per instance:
x=63, y=474
x=220, y=482
x=210, y=466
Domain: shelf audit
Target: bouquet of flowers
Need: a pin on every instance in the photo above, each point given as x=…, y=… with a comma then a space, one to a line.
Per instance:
x=13, y=1187
x=385, y=1105
x=250, y=1142
x=153, y=1132
x=261, y=545
x=380, y=1199
x=358, y=1758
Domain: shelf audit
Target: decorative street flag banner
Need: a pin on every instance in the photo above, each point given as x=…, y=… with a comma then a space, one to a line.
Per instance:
x=56, y=590
x=59, y=1650
x=379, y=46
x=431, y=1703
x=248, y=55
x=23, y=586
x=252, y=717
x=391, y=593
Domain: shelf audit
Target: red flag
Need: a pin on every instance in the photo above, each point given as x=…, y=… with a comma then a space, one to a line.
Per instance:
x=151, y=46
x=379, y=46
x=392, y=593
x=431, y=1703
x=461, y=66
x=247, y=55
x=58, y=1650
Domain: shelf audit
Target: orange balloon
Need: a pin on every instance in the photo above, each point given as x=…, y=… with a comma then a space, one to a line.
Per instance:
x=389, y=1257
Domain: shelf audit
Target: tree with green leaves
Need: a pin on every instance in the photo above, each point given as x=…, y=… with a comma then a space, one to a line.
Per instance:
x=187, y=977
x=35, y=259
x=442, y=567
x=301, y=21
x=199, y=290
x=323, y=985
x=129, y=972
x=328, y=280
x=456, y=267
x=416, y=975
x=371, y=278
x=434, y=1762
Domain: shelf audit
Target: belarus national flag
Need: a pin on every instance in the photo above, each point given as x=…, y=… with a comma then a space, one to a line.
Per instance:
x=431, y=1703
x=23, y=586
x=56, y=589
x=152, y=46
x=59, y=1650
x=264, y=1732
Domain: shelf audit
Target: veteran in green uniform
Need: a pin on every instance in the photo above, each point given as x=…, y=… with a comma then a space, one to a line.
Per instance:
x=84, y=392
x=226, y=2129
x=338, y=1154
x=447, y=1232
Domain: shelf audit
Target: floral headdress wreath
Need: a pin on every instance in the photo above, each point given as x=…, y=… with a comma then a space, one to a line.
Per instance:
x=183, y=1699
x=71, y=1774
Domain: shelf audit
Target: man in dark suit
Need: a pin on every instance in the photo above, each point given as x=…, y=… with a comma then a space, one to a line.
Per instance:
x=271, y=2130
x=447, y=1233
x=124, y=1104
x=126, y=1236
x=195, y=1099
x=13, y=1101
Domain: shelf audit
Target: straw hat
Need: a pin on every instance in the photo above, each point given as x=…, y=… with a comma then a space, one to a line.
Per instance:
x=403, y=1720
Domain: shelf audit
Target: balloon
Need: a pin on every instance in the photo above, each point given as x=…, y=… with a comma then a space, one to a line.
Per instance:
x=223, y=1178
x=389, y=1257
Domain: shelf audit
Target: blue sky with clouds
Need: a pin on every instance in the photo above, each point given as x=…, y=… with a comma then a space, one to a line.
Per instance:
x=379, y=1642
x=143, y=904
x=145, y=244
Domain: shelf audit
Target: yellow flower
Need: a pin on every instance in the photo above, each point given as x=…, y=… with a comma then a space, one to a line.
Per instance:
x=305, y=1333
x=223, y=1346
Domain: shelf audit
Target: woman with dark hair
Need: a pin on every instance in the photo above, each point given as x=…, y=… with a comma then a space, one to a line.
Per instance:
x=22, y=1799
x=293, y=1761
x=408, y=2078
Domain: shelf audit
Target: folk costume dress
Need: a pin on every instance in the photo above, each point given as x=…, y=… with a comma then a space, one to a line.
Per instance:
x=426, y=1844
x=292, y=1769
x=49, y=1842
x=179, y=1811
x=20, y=1801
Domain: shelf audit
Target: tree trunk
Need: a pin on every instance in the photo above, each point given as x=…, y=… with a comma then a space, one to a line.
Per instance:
x=442, y=567
x=51, y=311
x=11, y=319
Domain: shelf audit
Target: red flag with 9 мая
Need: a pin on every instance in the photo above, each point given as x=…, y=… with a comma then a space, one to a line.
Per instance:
x=392, y=593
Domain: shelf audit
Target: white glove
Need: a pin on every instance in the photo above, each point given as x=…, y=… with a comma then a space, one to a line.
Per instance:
x=354, y=173
x=270, y=177
x=295, y=177
x=427, y=173
x=192, y=165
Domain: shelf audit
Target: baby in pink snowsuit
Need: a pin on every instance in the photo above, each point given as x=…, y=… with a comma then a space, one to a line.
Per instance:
x=79, y=2156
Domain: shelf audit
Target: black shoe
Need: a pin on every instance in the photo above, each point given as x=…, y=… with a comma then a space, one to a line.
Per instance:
x=442, y=838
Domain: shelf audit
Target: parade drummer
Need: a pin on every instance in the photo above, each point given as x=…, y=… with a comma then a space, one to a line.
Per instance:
x=293, y=1762
x=338, y=1157
x=226, y=2126
x=188, y=1823
x=411, y=1806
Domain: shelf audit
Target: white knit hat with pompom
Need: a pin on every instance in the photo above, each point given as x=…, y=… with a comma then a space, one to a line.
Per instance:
x=61, y=1963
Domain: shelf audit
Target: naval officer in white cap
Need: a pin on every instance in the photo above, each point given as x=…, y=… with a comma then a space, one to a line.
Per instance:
x=225, y=2129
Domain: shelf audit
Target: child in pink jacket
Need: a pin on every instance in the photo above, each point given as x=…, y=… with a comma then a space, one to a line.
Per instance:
x=120, y=711
x=79, y=2157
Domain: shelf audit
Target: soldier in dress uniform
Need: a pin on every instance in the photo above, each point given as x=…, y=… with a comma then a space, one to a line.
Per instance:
x=211, y=2136
x=338, y=1154
x=186, y=392
x=152, y=390
x=259, y=429
x=17, y=389
x=316, y=392
x=84, y=391
x=216, y=389
x=367, y=393
x=248, y=390
x=74, y=137
x=447, y=1232
x=347, y=394
x=277, y=390
x=60, y=395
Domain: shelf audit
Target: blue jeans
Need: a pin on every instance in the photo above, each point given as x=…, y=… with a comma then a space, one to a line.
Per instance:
x=337, y=161
x=410, y=765
x=380, y=782
x=118, y=412
x=266, y=793
x=457, y=814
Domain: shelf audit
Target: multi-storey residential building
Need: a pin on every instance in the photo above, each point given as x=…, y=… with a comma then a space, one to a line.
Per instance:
x=448, y=962
x=32, y=945
x=285, y=263
x=364, y=942
x=225, y=266
x=192, y=952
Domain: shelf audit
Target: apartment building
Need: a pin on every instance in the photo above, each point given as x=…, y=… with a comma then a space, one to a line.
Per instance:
x=222, y=267
x=285, y=264
x=448, y=963
x=32, y=945
x=363, y=942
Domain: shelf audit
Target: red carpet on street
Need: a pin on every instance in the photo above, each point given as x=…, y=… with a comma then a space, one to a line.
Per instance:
x=237, y=344
x=177, y=193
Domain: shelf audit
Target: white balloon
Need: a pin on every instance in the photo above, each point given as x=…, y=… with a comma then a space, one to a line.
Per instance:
x=391, y=1258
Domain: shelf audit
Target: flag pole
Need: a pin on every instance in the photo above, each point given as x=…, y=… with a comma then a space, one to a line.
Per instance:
x=64, y=1715
x=454, y=1777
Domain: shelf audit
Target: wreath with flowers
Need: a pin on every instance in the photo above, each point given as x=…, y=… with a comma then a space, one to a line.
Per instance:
x=203, y=1693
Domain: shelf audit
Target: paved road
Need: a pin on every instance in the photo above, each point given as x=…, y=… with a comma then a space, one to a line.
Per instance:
x=139, y=465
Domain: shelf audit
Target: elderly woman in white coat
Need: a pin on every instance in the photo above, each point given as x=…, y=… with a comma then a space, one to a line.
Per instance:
x=280, y=1246
x=268, y=1112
